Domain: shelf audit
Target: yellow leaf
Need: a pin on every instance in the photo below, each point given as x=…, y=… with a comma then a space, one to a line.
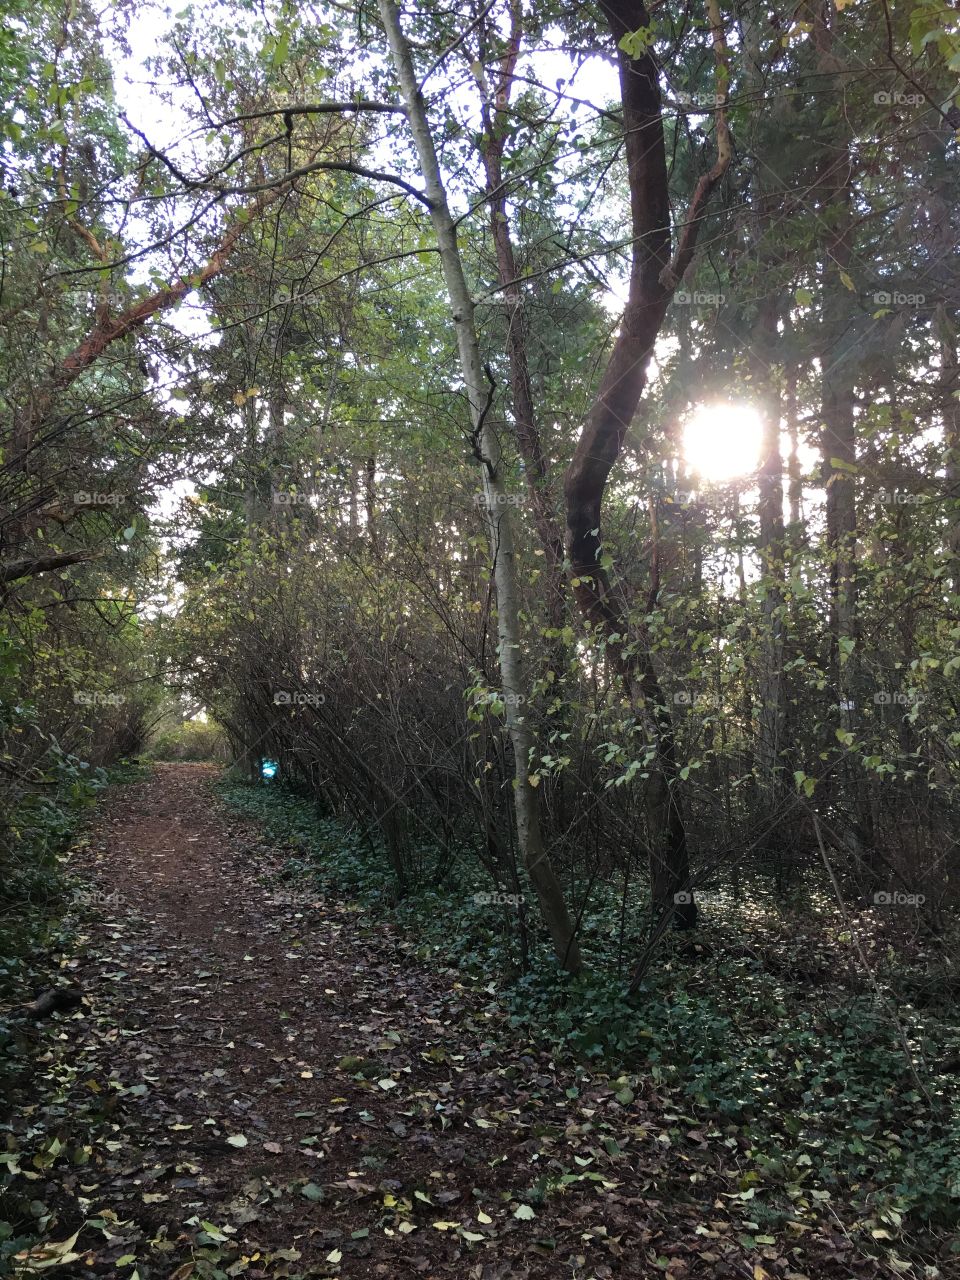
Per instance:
x=45, y=1256
x=848, y=282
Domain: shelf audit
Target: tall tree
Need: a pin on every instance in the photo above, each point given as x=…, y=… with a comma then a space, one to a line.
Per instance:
x=516, y=688
x=654, y=275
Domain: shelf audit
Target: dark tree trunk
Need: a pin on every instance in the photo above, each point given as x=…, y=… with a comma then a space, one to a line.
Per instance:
x=653, y=278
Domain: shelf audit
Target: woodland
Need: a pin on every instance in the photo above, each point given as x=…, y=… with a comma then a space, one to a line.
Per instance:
x=479, y=619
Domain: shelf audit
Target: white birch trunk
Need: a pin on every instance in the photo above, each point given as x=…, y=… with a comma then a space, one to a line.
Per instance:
x=516, y=694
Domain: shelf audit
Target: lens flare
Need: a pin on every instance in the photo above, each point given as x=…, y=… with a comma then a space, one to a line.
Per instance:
x=722, y=441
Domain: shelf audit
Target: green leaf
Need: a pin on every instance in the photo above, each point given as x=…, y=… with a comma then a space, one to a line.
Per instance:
x=636, y=43
x=281, y=49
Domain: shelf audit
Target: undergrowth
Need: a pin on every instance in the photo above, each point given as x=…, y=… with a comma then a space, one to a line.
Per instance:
x=33, y=935
x=830, y=1089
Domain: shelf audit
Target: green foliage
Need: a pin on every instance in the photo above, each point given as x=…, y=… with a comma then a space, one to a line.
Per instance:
x=806, y=1077
x=192, y=740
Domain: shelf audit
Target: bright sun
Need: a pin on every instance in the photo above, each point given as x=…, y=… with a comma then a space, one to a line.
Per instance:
x=722, y=441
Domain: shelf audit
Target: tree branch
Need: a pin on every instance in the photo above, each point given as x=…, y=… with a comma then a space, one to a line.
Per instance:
x=11, y=570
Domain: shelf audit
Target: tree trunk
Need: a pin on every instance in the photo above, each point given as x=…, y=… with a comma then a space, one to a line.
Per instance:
x=950, y=387
x=529, y=441
x=766, y=358
x=653, y=278
x=771, y=738
x=542, y=876
x=370, y=502
x=794, y=473
x=838, y=432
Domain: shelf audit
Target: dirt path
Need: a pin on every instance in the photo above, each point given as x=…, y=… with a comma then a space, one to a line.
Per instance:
x=268, y=1085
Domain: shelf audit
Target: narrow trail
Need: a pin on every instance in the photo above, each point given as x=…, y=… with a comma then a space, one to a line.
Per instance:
x=274, y=1087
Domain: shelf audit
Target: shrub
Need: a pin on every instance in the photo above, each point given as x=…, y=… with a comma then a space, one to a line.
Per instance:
x=194, y=740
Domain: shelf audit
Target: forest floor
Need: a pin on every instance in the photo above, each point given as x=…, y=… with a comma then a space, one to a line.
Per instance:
x=259, y=1083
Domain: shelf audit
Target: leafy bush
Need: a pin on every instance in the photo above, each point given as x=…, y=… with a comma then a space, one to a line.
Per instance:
x=194, y=740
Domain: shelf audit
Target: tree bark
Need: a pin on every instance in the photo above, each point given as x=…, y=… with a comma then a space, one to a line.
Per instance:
x=529, y=441
x=771, y=547
x=838, y=431
x=529, y=836
x=950, y=387
x=653, y=279
x=766, y=359
x=11, y=570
